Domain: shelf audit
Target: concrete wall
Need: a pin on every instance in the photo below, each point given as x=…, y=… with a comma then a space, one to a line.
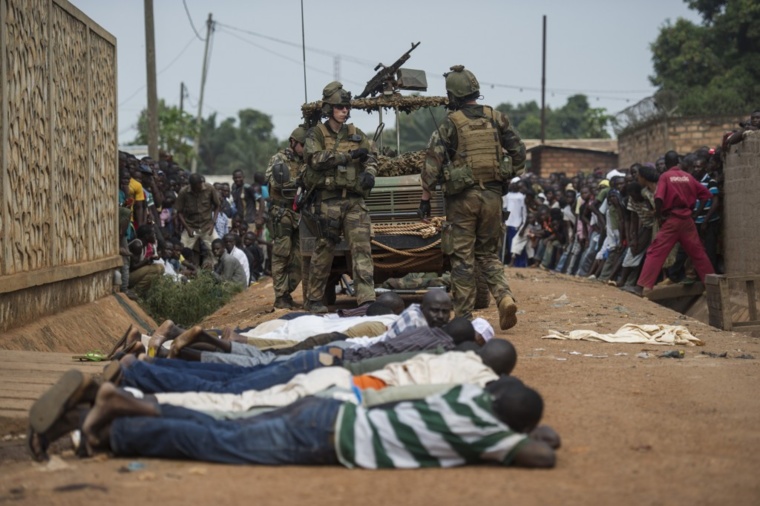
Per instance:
x=58, y=132
x=651, y=140
x=545, y=160
x=741, y=207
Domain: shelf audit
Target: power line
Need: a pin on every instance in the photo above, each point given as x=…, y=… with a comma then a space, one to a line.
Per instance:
x=192, y=25
x=364, y=61
x=192, y=39
x=352, y=59
x=280, y=55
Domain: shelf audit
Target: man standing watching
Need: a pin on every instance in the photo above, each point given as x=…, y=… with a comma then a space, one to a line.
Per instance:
x=466, y=155
x=281, y=175
x=197, y=208
x=340, y=172
x=674, y=200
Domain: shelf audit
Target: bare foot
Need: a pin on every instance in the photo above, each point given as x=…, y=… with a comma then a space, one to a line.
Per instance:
x=133, y=336
x=231, y=336
x=193, y=336
x=111, y=403
x=163, y=333
x=120, y=343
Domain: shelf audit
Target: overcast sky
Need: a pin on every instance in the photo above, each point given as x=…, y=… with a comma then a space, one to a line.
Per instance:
x=596, y=47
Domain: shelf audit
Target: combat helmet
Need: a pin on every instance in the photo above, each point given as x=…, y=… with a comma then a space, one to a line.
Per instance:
x=334, y=94
x=299, y=135
x=461, y=85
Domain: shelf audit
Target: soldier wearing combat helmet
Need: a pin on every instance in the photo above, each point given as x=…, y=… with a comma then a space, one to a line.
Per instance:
x=282, y=173
x=340, y=172
x=473, y=155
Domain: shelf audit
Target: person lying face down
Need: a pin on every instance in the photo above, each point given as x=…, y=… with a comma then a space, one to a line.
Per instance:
x=480, y=368
x=165, y=375
x=465, y=425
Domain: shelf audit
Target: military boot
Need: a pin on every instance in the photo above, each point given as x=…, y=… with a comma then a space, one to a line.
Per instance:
x=315, y=306
x=282, y=303
x=507, y=312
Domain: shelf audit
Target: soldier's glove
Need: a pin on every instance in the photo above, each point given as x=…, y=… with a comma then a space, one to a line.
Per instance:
x=360, y=154
x=366, y=180
x=424, y=210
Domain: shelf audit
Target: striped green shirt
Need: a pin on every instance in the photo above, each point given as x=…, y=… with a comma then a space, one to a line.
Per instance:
x=444, y=430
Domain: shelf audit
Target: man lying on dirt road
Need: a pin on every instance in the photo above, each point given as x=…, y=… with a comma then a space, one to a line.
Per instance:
x=495, y=359
x=167, y=375
x=464, y=425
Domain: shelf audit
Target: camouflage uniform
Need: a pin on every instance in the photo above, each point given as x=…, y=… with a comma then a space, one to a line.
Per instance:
x=283, y=223
x=474, y=214
x=341, y=211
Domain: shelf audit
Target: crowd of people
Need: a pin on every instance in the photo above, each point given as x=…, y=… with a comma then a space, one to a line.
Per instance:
x=652, y=223
x=174, y=223
x=394, y=387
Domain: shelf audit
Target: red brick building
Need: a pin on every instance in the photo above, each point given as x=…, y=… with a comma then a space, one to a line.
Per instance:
x=571, y=156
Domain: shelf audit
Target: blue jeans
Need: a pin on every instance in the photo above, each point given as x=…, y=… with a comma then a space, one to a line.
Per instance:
x=153, y=379
x=205, y=370
x=300, y=433
x=587, y=259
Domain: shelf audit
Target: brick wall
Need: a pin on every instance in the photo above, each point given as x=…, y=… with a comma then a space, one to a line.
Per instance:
x=741, y=207
x=547, y=159
x=651, y=140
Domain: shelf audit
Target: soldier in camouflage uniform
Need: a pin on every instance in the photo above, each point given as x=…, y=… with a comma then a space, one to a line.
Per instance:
x=473, y=155
x=340, y=172
x=283, y=171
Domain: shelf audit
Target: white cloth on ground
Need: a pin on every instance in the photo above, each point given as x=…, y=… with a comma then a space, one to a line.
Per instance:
x=425, y=369
x=304, y=327
x=634, y=334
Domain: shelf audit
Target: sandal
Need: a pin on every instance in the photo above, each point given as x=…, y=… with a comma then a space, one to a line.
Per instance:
x=91, y=356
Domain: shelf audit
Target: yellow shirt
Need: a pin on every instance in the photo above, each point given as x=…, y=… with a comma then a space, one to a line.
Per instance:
x=136, y=190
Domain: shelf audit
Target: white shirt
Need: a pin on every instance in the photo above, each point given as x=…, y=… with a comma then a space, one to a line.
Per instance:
x=514, y=203
x=238, y=255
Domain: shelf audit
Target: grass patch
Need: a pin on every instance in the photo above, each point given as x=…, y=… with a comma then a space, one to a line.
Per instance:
x=187, y=303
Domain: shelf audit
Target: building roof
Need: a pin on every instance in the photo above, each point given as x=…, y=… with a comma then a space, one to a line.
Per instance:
x=604, y=145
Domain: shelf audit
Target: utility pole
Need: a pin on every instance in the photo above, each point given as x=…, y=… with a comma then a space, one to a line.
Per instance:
x=209, y=30
x=150, y=61
x=543, y=86
x=181, y=98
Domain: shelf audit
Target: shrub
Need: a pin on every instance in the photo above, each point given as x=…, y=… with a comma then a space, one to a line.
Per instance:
x=187, y=303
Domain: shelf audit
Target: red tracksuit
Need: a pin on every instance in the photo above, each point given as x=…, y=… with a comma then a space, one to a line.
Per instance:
x=678, y=191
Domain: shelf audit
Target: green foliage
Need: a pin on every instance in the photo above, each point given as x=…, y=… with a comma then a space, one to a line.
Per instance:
x=713, y=68
x=246, y=143
x=416, y=128
x=188, y=303
x=176, y=130
x=574, y=120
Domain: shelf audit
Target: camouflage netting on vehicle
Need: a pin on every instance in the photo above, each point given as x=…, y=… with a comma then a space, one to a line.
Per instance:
x=313, y=110
x=402, y=165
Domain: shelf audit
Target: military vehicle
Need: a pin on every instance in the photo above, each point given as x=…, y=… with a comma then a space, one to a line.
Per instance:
x=402, y=243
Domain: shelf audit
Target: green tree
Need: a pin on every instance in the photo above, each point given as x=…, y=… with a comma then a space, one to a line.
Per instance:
x=176, y=130
x=574, y=120
x=415, y=127
x=246, y=143
x=712, y=67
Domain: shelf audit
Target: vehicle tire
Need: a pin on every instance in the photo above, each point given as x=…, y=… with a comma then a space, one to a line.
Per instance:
x=330, y=295
x=482, y=294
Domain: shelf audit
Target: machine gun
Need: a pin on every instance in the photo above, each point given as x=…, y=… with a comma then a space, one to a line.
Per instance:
x=386, y=80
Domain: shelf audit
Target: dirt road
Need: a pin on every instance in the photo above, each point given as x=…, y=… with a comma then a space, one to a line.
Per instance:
x=635, y=431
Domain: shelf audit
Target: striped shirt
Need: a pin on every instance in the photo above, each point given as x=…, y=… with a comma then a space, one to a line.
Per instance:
x=444, y=430
x=712, y=186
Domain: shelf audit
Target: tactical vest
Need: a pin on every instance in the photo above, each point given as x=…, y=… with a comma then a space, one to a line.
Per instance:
x=286, y=192
x=479, y=158
x=342, y=177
